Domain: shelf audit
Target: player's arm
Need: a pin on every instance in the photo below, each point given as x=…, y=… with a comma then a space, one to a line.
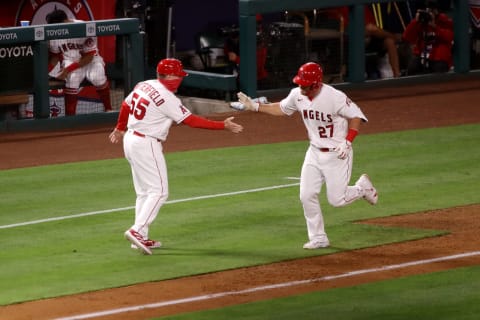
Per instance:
x=271, y=109
x=195, y=121
x=117, y=133
x=53, y=59
x=344, y=147
x=88, y=52
x=84, y=60
x=354, y=124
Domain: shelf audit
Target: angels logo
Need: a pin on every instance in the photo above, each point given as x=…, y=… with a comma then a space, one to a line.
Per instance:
x=36, y=11
x=475, y=12
x=55, y=110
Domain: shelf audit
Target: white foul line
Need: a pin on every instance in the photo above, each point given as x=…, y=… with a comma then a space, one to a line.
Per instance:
x=20, y=224
x=267, y=287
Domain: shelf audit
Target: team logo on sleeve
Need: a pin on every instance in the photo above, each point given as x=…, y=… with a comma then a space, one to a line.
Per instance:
x=184, y=110
x=90, y=42
x=348, y=102
x=36, y=11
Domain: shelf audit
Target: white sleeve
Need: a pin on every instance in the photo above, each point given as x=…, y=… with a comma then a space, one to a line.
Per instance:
x=53, y=46
x=89, y=45
x=174, y=109
x=348, y=108
x=288, y=105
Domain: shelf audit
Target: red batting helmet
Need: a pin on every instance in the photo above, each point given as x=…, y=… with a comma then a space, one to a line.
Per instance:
x=171, y=66
x=309, y=74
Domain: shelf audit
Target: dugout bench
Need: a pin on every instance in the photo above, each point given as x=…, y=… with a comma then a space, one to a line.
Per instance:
x=9, y=103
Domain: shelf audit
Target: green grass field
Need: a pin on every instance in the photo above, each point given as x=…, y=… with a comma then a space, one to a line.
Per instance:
x=442, y=295
x=61, y=226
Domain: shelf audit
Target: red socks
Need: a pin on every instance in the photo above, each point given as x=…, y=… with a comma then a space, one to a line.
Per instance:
x=71, y=99
x=104, y=94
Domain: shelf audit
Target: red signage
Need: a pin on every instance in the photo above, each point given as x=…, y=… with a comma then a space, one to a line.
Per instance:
x=475, y=12
x=36, y=11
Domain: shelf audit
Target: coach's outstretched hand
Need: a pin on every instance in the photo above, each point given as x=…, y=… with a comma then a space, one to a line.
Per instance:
x=232, y=126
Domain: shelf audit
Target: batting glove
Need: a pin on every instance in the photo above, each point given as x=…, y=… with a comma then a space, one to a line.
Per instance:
x=237, y=105
x=248, y=103
x=343, y=149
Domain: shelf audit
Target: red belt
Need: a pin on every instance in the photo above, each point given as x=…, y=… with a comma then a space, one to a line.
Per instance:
x=326, y=149
x=139, y=134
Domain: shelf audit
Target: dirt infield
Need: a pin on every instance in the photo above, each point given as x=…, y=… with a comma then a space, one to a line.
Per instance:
x=387, y=109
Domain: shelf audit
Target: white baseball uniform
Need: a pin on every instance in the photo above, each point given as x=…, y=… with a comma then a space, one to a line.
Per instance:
x=71, y=50
x=326, y=119
x=153, y=109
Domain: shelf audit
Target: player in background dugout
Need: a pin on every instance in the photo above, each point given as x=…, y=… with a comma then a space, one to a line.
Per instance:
x=144, y=122
x=375, y=34
x=431, y=36
x=232, y=50
x=74, y=60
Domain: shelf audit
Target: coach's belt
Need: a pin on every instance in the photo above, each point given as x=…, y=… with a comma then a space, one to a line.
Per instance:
x=139, y=134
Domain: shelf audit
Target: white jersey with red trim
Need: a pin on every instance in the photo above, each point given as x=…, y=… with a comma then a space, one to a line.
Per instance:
x=153, y=109
x=325, y=117
x=73, y=49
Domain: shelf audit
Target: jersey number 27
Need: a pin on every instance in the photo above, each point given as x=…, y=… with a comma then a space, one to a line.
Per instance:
x=326, y=131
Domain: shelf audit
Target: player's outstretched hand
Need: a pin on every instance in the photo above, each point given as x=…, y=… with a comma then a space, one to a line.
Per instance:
x=237, y=105
x=343, y=149
x=232, y=126
x=116, y=136
x=249, y=104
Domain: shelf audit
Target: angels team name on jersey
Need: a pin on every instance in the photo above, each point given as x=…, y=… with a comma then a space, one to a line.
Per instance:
x=317, y=115
x=71, y=46
x=151, y=93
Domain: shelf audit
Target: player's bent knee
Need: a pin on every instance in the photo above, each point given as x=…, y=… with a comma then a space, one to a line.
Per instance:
x=336, y=201
x=101, y=86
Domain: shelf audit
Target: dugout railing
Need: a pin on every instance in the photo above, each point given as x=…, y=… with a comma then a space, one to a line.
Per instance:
x=31, y=43
x=133, y=69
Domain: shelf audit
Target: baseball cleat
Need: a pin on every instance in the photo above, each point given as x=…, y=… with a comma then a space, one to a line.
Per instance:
x=317, y=244
x=136, y=239
x=369, y=192
x=152, y=244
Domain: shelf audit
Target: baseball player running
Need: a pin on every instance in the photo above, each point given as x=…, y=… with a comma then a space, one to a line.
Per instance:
x=77, y=59
x=144, y=121
x=332, y=121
